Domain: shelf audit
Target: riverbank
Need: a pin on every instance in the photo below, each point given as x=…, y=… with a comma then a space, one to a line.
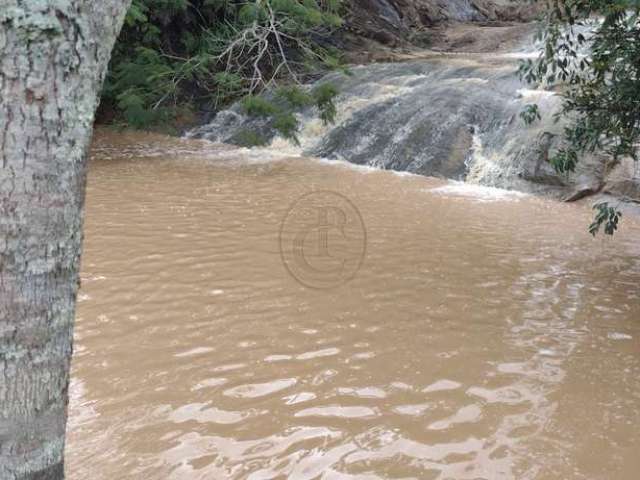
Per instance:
x=475, y=95
x=456, y=38
x=449, y=38
x=175, y=76
x=372, y=25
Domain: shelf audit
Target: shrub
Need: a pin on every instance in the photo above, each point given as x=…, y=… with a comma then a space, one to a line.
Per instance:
x=204, y=54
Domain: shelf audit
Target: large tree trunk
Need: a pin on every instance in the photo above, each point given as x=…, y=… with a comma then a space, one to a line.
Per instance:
x=53, y=57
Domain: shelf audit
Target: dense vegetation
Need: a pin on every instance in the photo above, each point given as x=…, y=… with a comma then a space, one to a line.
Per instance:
x=178, y=57
x=592, y=48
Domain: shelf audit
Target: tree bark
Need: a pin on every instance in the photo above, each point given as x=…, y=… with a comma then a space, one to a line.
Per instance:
x=53, y=58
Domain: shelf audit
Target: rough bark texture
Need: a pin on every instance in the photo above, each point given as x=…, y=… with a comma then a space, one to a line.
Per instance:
x=53, y=57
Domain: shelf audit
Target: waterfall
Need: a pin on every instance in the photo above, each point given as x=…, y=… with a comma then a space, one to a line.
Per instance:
x=449, y=115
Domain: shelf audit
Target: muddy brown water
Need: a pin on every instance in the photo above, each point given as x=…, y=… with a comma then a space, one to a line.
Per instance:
x=485, y=334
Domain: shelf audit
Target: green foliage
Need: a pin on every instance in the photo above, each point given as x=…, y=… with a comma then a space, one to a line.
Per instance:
x=177, y=54
x=287, y=124
x=607, y=216
x=592, y=50
x=294, y=96
x=286, y=100
x=598, y=63
x=251, y=12
x=324, y=96
x=565, y=160
x=228, y=86
x=530, y=114
x=257, y=106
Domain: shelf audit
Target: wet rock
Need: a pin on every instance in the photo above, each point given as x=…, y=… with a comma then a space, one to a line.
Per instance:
x=537, y=168
x=624, y=180
x=583, y=191
x=397, y=22
x=448, y=115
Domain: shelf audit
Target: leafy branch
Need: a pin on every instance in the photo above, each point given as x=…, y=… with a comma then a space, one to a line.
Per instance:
x=591, y=52
x=606, y=216
x=175, y=54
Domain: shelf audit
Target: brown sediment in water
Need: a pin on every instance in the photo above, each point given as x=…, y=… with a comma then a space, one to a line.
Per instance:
x=485, y=335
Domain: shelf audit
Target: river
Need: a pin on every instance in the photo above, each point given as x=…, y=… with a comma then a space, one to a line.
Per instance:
x=476, y=333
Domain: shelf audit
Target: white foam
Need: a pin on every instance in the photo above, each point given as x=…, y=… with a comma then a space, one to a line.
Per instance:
x=346, y=164
x=478, y=80
x=255, y=155
x=619, y=336
x=531, y=93
x=521, y=55
x=478, y=192
x=404, y=173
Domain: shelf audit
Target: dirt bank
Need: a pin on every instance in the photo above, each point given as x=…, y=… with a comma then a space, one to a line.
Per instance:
x=378, y=30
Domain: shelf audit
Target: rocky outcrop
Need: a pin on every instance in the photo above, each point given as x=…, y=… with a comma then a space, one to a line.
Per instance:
x=623, y=180
x=417, y=22
x=452, y=110
x=448, y=115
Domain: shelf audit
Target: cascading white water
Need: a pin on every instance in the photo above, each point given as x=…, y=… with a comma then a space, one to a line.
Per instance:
x=455, y=116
